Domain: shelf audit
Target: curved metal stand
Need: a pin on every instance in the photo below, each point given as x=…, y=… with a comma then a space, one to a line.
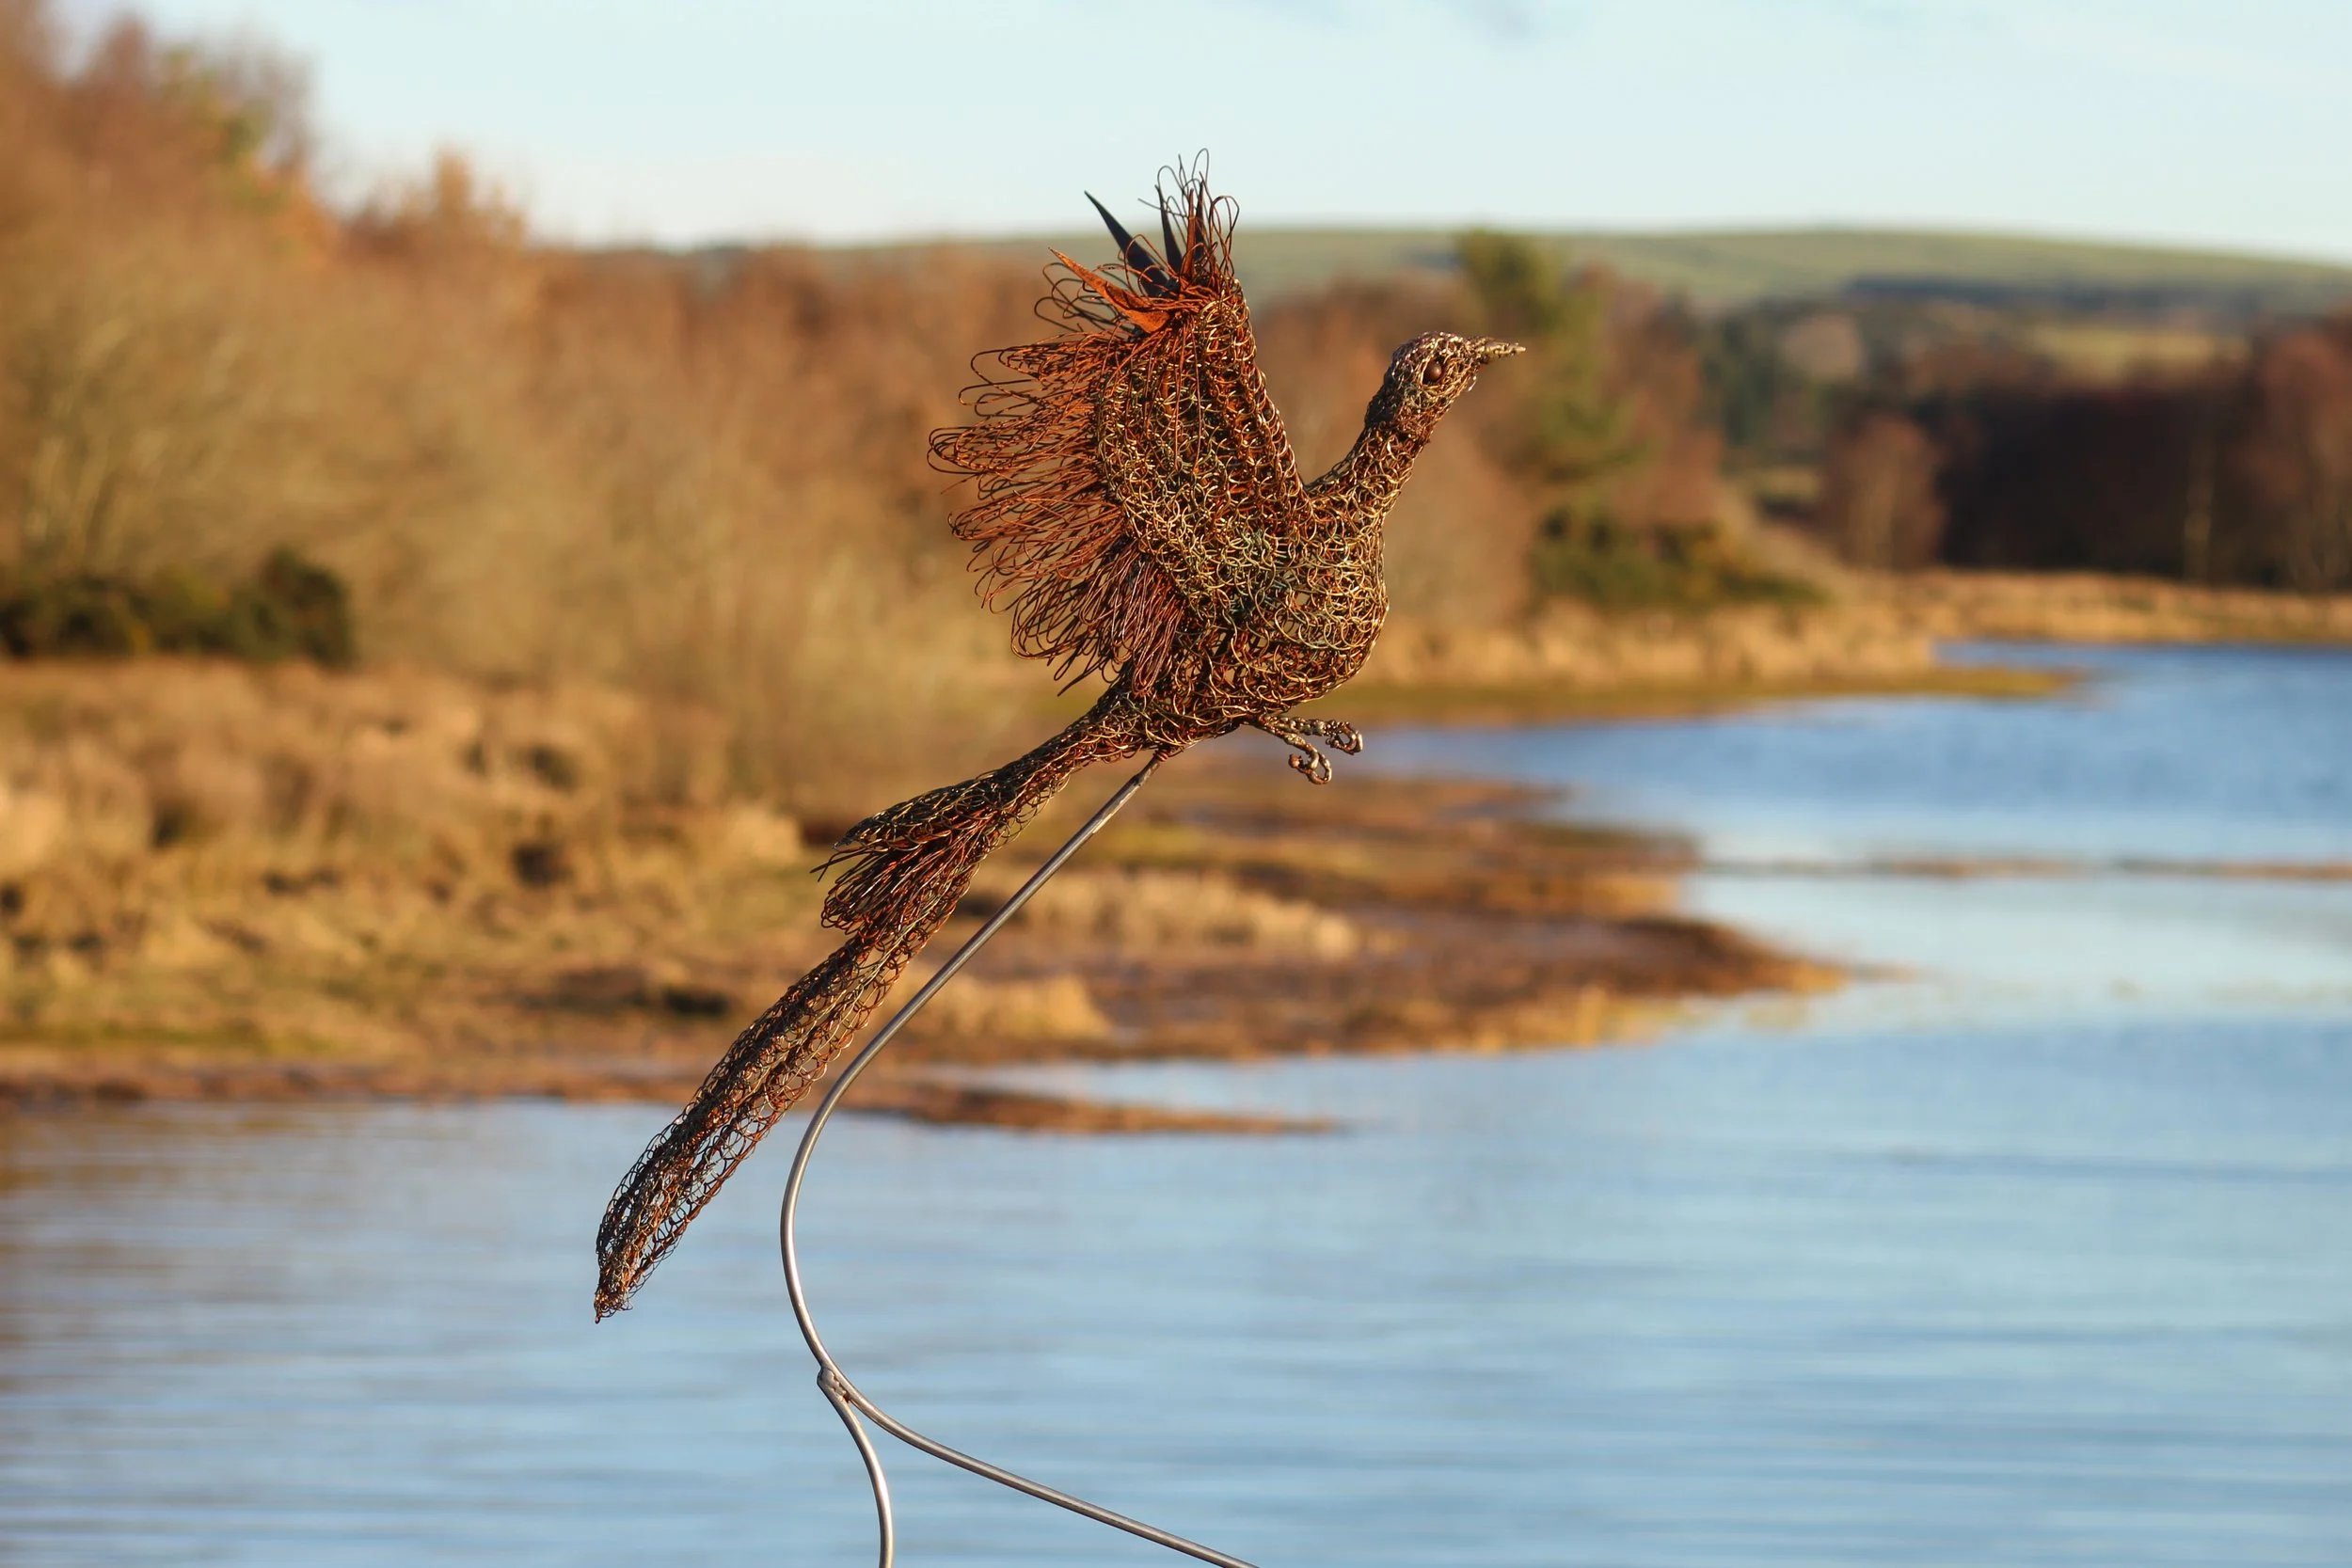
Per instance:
x=839, y=1390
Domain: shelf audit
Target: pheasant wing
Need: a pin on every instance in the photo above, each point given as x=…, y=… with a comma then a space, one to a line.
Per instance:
x=1134, y=478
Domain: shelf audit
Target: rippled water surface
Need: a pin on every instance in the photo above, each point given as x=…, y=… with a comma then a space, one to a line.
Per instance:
x=2037, y=1251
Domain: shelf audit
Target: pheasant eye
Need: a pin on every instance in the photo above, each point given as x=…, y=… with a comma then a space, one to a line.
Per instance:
x=1433, y=371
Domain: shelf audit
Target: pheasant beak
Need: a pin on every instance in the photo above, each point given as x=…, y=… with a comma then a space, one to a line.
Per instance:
x=1488, y=350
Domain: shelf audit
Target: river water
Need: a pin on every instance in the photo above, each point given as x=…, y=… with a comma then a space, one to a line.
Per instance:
x=2037, y=1248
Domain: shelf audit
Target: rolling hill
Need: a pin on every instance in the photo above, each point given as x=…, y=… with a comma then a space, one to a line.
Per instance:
x=1716, y=269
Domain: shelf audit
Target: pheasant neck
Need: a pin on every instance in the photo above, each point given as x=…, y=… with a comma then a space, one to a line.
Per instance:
x=1363, y=485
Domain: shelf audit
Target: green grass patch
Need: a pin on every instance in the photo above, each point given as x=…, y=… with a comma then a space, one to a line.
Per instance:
x=1689, y=567
x=291, y=607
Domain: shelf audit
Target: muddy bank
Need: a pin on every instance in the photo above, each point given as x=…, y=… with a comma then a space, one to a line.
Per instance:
x=217, y=884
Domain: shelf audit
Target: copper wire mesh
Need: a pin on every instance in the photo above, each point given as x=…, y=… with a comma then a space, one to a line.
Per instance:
x=1139, y=511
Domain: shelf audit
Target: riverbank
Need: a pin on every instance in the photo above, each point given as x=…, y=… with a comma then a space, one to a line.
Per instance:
x=2085, y=607
x=1869, y=634
x=232, y=882
x=227, y=882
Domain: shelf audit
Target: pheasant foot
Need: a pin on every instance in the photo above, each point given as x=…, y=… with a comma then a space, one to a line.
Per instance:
x=1300, y=735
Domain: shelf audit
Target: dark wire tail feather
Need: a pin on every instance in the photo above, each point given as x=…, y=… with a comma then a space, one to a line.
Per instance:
x=903, y=872
x=1137, y=256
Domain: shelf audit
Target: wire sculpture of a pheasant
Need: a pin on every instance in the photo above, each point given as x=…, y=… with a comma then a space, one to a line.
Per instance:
x=1139, y=512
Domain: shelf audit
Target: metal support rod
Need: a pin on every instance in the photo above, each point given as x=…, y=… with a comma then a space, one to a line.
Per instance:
x=839, y=1390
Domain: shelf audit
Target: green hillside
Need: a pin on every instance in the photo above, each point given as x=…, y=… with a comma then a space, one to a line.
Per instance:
x=1735, y=266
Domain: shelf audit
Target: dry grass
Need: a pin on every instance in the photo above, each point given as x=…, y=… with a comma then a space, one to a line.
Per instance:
x=1056, y=1007
x=1572, y=646
x=219, y=880
x=2085, y=607
x=706, y=486
x=284, y=859
x=1147, y=910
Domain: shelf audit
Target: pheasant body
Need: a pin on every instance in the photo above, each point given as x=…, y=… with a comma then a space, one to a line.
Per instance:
x=1139, y=511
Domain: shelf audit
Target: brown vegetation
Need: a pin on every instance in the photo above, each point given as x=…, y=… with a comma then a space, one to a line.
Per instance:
x=628, y=539
x=2083, y=607
x=223, y=879
x=1878, y=504
x=701, y=478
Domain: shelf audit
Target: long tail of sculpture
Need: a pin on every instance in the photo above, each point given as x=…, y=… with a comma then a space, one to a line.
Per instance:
x=907, y=869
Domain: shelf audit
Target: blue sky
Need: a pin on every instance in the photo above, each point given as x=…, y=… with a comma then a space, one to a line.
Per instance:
x=2202, y=123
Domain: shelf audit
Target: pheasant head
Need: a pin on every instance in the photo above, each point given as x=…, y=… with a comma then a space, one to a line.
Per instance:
x=1427, y=374
x=1424, y=378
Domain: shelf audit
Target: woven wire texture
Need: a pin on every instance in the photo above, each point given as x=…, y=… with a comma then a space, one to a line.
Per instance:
x=1138, y=510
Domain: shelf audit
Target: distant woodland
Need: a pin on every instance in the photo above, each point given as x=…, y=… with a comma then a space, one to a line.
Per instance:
x=2166, y=441
x=238, y=419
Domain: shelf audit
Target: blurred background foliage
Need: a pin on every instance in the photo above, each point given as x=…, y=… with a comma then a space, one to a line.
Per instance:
x=290, y=608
